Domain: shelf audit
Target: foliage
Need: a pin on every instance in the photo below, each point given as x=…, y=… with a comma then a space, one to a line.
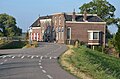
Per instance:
x=13, y=45
x=27, y=36
x=111, y=42
x=117, y=40
x=8, y=26
x=94, y=63
x=102, y=8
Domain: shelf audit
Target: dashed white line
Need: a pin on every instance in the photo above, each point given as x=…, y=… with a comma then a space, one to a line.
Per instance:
x=37, y=56
x=43, y=71
x=55, y=57
x=4, y=57
x=50, y=77
x=39, y=63
x=41, y=57
x=22, y=57
x=13, y=57
x=41, y=67
x=50, y=57
x=32, y=57
x=1, y=63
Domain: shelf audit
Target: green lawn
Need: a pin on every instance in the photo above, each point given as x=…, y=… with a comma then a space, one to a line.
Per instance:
x=94, y=63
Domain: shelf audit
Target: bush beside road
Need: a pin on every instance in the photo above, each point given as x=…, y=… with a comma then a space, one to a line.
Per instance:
x=13, y=45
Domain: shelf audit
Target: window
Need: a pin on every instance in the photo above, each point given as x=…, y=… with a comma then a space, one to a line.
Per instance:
x=68, y=33
x=93, y=35
x=55, y=20
x=60, y=20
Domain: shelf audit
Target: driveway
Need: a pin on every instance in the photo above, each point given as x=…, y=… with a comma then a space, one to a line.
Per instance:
x=33, y=63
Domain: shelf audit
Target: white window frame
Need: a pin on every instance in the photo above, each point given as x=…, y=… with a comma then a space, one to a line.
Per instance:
x=91, y=34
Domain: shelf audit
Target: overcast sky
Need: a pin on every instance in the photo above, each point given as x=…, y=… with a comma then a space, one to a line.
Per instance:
x=27, y=11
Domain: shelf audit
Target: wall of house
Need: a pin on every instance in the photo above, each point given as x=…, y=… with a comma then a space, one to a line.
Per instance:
x=58, y=21
x=80, y=31
x=35, y=34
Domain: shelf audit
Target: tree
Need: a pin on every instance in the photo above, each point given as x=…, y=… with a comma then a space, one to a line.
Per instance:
x=8, y=26
x=102, y=8
x=117, y=39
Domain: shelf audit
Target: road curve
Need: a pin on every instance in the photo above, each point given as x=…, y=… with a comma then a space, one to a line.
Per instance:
x=33, y=63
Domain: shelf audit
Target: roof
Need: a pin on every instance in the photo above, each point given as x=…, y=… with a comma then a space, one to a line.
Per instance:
x=37, y=22
x=68, y=17
x=79, y=18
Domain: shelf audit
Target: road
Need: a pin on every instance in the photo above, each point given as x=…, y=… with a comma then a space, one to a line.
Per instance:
x=33, y=63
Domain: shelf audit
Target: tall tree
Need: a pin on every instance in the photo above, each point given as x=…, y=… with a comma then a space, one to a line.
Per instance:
x=8, y=26
x=102, y=8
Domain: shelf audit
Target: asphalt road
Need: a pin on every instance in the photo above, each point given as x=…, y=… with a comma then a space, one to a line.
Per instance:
x=33, y=63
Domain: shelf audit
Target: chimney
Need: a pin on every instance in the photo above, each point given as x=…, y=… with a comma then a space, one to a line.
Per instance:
x=73, y=16
x=85, y=16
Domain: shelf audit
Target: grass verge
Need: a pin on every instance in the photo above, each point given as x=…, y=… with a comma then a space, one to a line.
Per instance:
x=88, y=64
x=33, y=45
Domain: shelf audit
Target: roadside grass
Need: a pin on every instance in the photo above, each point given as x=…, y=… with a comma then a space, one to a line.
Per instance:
x=88, y=64
x=33, y=45
x=13, y=45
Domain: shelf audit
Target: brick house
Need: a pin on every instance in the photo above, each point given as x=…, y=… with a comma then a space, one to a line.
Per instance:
x=69, y=27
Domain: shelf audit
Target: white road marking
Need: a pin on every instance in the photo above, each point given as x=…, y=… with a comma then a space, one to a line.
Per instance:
x=41, y=67
x=4, y=57
x=1, y=63
x=43, y=71
x=55, y=57
x=22, y=57
x=39, y=63
x=50, y=57
x=13, y=57
x=32, y=57
x=37, y=56
x=41, y=57
x=50, y=77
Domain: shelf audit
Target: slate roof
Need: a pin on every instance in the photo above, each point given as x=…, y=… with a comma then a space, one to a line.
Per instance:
x=79, y=18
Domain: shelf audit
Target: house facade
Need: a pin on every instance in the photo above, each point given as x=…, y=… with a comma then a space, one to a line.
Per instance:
x=69, y=27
